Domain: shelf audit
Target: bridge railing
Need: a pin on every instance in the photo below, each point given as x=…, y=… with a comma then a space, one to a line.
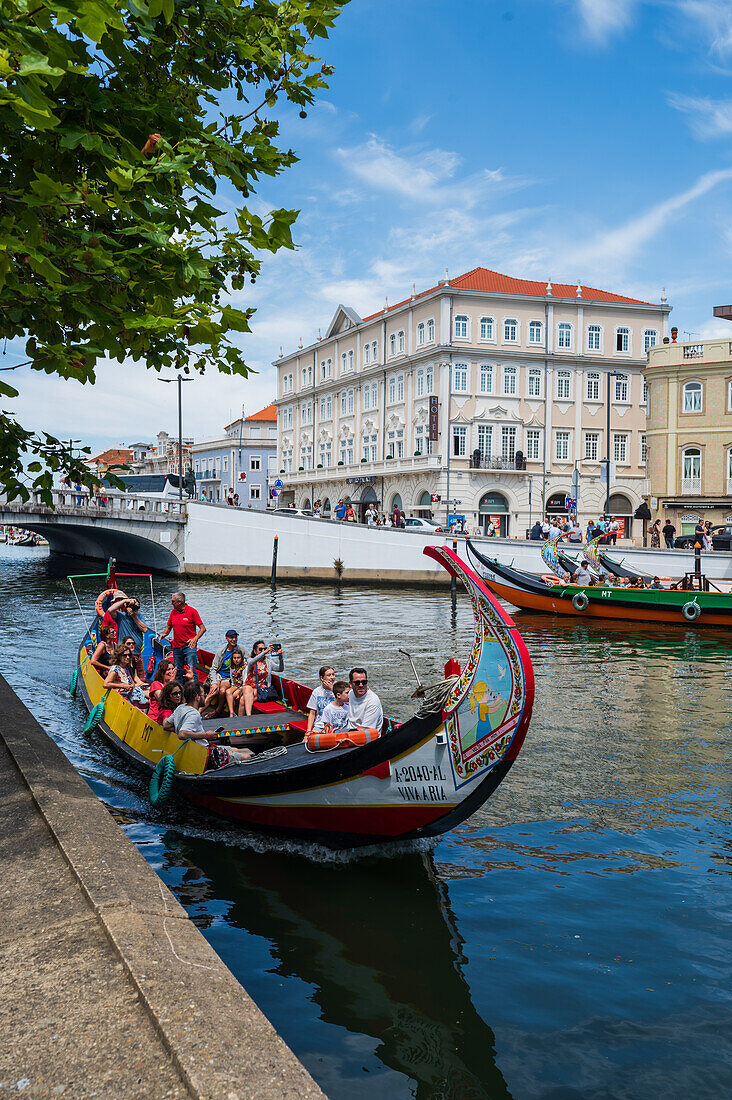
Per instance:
x=98, y=503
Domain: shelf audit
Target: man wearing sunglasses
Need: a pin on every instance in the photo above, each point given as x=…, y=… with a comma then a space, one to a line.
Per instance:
x=364, y=705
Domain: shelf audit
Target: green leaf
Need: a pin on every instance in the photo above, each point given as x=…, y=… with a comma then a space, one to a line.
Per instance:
x=8, y=391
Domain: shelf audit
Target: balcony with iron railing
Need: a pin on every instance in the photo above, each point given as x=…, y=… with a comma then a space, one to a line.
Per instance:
x=382, y=467
x=690, y=485
x=479, y=461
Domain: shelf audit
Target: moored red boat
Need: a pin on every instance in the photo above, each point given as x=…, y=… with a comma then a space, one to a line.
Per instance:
x=419, y=778
x=673, y=605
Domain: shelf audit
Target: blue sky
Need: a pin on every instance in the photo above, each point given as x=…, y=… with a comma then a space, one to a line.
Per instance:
x=574, y=139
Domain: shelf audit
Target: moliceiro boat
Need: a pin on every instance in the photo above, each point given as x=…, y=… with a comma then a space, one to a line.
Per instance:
x=419, y=778
x=674, y=605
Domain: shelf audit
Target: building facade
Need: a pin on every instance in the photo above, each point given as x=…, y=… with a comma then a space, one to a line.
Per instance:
x=689, y=432
x=243, y=459
x=479, y=397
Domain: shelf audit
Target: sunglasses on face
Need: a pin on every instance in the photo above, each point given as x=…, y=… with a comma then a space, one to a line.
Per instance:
x=359, y=683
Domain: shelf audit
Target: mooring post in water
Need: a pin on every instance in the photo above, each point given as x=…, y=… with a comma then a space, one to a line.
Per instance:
x=453, y=580
x=273, y=578
x=697, y=560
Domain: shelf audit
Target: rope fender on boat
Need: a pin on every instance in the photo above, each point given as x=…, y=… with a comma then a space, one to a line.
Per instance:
x=691, y=611
x=580, y=601
x=96, y=713
x=161, y=780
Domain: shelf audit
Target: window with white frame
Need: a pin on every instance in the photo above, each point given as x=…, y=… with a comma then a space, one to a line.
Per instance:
x=461, y=324
x=644, y=392
x=255, y=492
x=592, y=386
x=366, y=397
x=326, y=407
x=508, y=443
x=322, y=369
x=287, y=417
x=344, y=402
x=392, y=344
x=350, y=402
x=395, y=443
x=561, y=446
x=729, y=470
x=534, y=384
x=325, y=455
x=621, y=388
x=420, y=334
x=400, y=387
x=509, y=381
x=620, y=447
x=306, y=456
x=430, y=332
x=486, y=378
x=484, y=440
x=429, y=376
x=564, y=335
x=533, y=444
x=422, y=444
x=255, y=462
x=366, y=354
x=307, y=413
x=487, y=328
x=459, y=440
x=400, y=342
x=535, y=336
x=564, y=385
x=420, y=382
x=392, y=390
x=350, y=360
x=691, y=470
x=729, y=396
x=369, y=447
x=374, y=352
x=643, y=449
x=692, y=397
x=510, y=330
x=226, y=465
x=592, y=446
x=460, y=378
x=594, y=337
x=650, y=338
x=344, y=363
x=374, y=394
x=287, y=460
x=346, y=452
x=622, y=338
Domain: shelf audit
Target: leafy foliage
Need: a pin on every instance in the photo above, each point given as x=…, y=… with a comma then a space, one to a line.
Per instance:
x=115, y=139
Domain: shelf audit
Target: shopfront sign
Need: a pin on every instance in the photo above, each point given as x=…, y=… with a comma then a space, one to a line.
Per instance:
x=366, y=480
x=434, y=419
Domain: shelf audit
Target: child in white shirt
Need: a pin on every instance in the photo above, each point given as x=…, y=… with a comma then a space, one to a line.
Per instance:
x=335, y=714
x=320, y=698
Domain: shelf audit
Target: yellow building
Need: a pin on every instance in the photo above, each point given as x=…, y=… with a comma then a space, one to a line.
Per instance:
x=689, y=432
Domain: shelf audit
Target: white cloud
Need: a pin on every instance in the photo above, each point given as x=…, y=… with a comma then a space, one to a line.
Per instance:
x=617, y=246
x=713, y=18
x=603, y=18
x=710, y=118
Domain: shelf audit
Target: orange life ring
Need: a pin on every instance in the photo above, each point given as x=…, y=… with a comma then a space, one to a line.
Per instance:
x=550, y=579
x=117, y=593
x=327, y=738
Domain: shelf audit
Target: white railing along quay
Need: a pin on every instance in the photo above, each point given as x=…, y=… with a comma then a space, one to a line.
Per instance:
x=113, y=504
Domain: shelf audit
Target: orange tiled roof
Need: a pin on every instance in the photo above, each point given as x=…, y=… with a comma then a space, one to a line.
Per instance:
x=482, y=278
x=115, y=456
x=270, y=413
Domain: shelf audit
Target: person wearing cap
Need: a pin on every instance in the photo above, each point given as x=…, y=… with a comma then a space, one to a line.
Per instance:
x=583, y=575
x=219, y=672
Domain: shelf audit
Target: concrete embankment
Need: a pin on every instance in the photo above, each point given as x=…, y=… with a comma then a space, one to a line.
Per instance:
x=109, y=989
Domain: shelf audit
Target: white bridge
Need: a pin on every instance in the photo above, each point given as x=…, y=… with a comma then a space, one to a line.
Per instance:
x=194, y=537
x=144, y=530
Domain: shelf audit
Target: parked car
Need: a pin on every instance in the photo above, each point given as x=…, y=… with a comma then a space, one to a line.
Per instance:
x=418, y=524
x=721, y=538
x=294, y=512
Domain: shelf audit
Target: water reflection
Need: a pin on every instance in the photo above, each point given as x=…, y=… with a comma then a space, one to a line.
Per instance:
x=378, y=944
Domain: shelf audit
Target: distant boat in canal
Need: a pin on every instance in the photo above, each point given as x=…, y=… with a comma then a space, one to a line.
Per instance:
x=671, y=603
x=418, y=778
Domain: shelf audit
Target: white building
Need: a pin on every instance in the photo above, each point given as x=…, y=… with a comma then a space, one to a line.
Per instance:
x=519, y=376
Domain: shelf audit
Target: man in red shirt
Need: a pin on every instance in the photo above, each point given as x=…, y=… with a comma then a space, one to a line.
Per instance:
x=185, y=622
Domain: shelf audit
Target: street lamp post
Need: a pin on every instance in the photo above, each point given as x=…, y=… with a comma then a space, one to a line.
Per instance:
x=180, y=380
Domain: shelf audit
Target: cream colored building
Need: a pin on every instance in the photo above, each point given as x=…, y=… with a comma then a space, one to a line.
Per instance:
x=520, y=371
x=690, y=432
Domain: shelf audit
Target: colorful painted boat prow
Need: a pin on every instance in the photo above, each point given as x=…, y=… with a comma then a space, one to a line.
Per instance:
x=420, y=778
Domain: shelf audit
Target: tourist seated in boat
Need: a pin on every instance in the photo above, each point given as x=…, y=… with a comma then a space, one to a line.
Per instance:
x=170, y=697
x=219, y=674
x=336, y=713
x=656, y=583
x=235, y=690
x=258, y=686
x=320, y=698
x=582, y=575
x=187, y=722
x=101, y=658
x=364, y=706
x=136, y=664
x=164, y=674
x=122, y=678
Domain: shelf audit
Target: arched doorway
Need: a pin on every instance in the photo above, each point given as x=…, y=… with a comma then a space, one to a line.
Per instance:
x=305, y=503
x=423, y=507
x=396, y=502
x=325, y=509
x=368, y=496
x=620, y=507
x=555, y=504
x=493, y=507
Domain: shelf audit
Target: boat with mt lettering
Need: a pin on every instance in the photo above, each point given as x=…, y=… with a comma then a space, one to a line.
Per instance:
x=419, y=778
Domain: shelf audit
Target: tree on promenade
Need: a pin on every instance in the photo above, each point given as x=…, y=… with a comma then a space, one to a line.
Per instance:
x=120, y=120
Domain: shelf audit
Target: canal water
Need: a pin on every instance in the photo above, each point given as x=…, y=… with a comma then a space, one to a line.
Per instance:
x=570, y=940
